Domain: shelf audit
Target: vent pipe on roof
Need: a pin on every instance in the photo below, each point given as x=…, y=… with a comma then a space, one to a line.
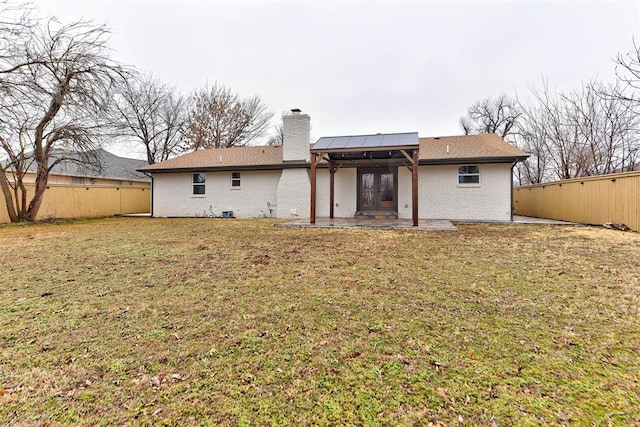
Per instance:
x=447, y=149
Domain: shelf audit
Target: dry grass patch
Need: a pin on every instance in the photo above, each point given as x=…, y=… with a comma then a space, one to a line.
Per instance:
x=234, y=322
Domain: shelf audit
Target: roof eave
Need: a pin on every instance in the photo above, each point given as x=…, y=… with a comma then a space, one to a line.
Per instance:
x=458, y=160
x=228, y=168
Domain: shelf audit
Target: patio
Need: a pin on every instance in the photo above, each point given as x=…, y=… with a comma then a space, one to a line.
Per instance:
x=423, y=224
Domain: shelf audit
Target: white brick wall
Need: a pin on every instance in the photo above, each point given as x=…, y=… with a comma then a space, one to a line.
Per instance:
x=441, y=197
x=296, y=130
x=344, y=196
x=404, y=193
x=294, y=194
x=173, y=194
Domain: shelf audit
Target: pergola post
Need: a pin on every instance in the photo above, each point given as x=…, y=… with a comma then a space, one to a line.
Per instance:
x=414, y=188
x=312, y=210
x=332, y=172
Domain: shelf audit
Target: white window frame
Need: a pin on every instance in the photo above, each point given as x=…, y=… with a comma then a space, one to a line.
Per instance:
x=196, y=184
x=236, y=177
x=462, y=174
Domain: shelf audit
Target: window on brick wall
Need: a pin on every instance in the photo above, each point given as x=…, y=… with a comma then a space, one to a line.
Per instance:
x=199, y=180
x=235, y=180
x=468, y=174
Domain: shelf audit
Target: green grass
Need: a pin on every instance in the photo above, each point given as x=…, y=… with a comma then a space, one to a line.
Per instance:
x=138, y=321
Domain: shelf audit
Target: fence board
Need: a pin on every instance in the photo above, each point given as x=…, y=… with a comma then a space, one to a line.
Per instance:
x=64, y=201
x=592, y=200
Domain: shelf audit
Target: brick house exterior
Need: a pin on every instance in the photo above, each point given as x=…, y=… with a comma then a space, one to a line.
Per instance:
x=460, y=177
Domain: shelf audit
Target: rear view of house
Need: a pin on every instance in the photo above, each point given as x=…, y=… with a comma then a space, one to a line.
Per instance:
x=376, y=176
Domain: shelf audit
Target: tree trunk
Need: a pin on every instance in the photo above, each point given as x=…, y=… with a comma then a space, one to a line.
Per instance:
x=150, y=158
x=41, y=153
x=8, y=198
x=41, y=185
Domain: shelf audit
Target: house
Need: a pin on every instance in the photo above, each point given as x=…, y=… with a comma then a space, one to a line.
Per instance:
x=374, y=176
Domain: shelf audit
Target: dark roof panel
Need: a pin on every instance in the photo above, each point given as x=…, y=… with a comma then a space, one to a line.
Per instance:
x=366, y=142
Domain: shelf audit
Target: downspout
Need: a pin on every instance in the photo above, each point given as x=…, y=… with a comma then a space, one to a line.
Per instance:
x=152, y=182
x=512, y=166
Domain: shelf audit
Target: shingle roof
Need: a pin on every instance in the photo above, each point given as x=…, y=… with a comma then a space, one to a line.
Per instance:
x=452, y=149
x=489, y=147
x=220, y=158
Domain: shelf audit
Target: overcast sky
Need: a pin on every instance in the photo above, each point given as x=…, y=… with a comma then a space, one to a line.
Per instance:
x=367, y=67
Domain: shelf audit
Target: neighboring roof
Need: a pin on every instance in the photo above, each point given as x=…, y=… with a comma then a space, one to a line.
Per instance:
x=476, y=148
x=379, y=141
x=261, y=157
x=110, y=166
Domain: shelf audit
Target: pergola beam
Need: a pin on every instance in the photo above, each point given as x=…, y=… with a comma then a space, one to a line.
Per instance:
x=312, y=213
x=404, y=153
x=414, y=188
x=332, y=174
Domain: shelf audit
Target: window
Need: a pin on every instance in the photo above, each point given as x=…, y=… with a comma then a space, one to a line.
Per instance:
x=235, y=179
x=198, y=183
x=469, y=174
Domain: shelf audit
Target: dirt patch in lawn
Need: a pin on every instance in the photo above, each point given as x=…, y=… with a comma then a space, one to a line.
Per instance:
x=234, y=322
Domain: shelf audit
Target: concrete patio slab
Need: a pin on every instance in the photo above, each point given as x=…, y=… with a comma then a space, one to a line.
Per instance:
x=405, y=224
x=518, y=219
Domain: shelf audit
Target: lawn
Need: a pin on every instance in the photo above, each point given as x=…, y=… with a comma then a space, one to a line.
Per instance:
x=138, y=321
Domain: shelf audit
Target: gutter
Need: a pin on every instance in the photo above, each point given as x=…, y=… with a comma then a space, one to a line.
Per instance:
x=230, y=168
x=466, y=160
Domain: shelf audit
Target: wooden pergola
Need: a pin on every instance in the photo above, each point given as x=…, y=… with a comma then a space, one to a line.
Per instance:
x=363, y=151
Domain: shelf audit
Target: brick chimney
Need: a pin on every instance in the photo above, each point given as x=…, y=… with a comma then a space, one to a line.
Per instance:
x=296, y=136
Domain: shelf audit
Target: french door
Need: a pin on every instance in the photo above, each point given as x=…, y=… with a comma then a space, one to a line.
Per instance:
x=378, y=189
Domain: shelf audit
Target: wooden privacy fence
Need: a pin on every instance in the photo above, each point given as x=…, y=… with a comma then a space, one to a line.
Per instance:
x=64, y=201
x=591, y=200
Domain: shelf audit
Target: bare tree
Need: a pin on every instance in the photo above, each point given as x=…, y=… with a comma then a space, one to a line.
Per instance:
x=531, y=139
x=489, y=115
x=218, y=118
x=607, y=128
x=278, y=134
x=55, y=84
x=628, y=74
x=576, y=134
x=152, y=113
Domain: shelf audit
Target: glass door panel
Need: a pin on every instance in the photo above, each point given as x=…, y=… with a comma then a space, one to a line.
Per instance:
x=386, y=191
x=368, y=191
